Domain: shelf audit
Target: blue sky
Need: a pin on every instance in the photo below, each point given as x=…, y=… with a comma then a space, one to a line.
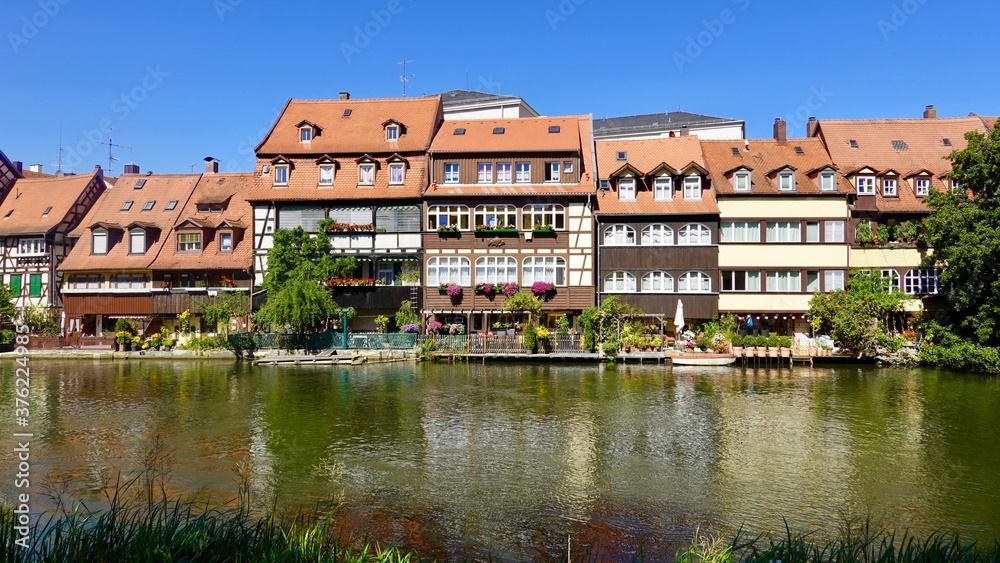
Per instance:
x=186, y=79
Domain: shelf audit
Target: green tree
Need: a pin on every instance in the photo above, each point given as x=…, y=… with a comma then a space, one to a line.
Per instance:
x=858, y=317
x=225, y=306
x=406, y=315
x=524, y=302
x=964, y=232
x=301, y=304
x=7, y=310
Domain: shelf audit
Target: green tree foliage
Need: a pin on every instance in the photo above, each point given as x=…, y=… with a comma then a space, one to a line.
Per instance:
x=406, y=315
x=297, y=255
x=302, y=304
x=6, y=304
x=964, y=232
x=226, y=305
x=524, y=302
x=858, y=317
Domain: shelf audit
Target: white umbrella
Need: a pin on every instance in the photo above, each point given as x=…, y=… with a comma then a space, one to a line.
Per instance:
x=679, y=317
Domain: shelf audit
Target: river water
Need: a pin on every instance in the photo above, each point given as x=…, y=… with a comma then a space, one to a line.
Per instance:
x=514, y=460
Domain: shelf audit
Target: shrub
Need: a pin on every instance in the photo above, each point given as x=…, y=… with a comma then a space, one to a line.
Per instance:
x=406, y=316
x=125, y=325
x=962, y=356
x=217, y=342
x=737, y=340
x=772, y=341
x=785, y=341
x=530, y=336
x=705, y=343
x=7, y=336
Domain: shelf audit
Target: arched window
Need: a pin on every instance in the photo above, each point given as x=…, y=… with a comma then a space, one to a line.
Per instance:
x=495, y=217
x=450, y=269
x=657, y=235
x=695, y=234
x=657, y=282
x=548, y=269
x=496, y=269
x=619, y=282
x=694, y=282
x=619, y=235
x=447, y=216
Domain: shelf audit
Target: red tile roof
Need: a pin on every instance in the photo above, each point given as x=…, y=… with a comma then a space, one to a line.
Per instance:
x=644, y=158
x=900, y=145
x=522, y=135
x=160, y=188
x=212, y=188
x=765, y=158
x=303, y=182
x=28, y=199
x=360, y=132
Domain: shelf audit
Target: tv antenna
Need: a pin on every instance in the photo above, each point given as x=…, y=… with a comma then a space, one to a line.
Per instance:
x=111, y=157
x=405, y=78
x=59, y=170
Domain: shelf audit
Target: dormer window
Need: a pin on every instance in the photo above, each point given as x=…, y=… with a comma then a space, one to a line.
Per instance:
x=99, y=239
x=451, y=175
x=326, y=175
x=225, y=242
x=209, y=208
x=392, y=133
x=137, y=241
x=827, y=181
x=741, y=181
x=305, y=134
x=786, y=181
x=281, y=174
x=397, y=174
x=890, y=187
x=922, y=187
x=663, y=188
x=692, y=187
x=626, y=189
x=188, y=242
x=866, y=185
x=366, y=174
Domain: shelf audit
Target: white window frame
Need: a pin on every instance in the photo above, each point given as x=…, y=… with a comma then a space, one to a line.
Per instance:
x=543, y=215
x=813, y=230
x=136, y=235
x=523, y=173
x=554, y=170
x=650, y=233
x=187, y=244
x=785, y=232
x=496, y=269
x=31, y=246
x=567, y=167
x=451, y=173
x=549, y=269
x=692, y=187
x=392, y=133
x=452, y=215
x=922, y=187
x=865, y=185
x=328, y=170
x=495, y=216
x=786, y=181
x=694, y=282
x=626, y=189
x=504, y=173
x=828, y=182
x=657, y=282
x=619, y=282
x=663, y=188
x=694, y=234
x=751, y=281
x=366, y=174
x=922, y=282
x=892, y=280
x=890, y=187
x=442, y=270
x=730, y=231
x=281, y=174
x=223, y=237
x=484, y=173
x=99, y=242
x=394, y=168
x=619, y=235
x=834, y=232
x=741, y=178
x=305, y=134
x=834, y=280
x=784, y=281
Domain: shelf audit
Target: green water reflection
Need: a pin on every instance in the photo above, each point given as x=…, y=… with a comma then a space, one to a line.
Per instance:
x=496, y=458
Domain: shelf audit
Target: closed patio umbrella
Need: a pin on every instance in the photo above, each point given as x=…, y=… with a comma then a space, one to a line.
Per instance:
x=679, y=317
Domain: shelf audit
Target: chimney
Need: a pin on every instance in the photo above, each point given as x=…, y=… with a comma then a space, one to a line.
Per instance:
x=36, y=168
x=812, y=128
x=18, y=166
x=780, y=131
x=930, y=112
x=345, y=95
x=131, y=168
x=685, y=131
x=211, y=165
x=98, y=170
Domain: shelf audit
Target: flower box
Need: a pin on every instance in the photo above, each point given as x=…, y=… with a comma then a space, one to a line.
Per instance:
x=448, y=230
x=349, y=228
x=542, y=288
x=491, y=289
x=453, y=290
x=544, y=230
x=495, y=231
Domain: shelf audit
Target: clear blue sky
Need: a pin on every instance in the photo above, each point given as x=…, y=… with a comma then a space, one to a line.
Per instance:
x=186, y=79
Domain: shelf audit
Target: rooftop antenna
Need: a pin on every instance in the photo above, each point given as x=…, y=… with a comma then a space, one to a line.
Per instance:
x=111, y=157
x=59, y=170
x=405, y=78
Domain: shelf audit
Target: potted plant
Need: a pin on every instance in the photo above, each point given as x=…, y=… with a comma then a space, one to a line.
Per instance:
x=123, y=340
x=704, y=344
x=156, y=341
x=542, y=337
x=541, y=288
x=137, y=343
x=737, y=343
x=381, y=322
x=529, y=338
x=772, y=342
x=433, y=327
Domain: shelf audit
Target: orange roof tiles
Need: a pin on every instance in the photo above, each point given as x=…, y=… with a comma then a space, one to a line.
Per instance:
x=238, y=213
x=765, y=158
x=357, y=133
x=643, y=158
x=159, y=188
x=522, y=135
x=30, y=197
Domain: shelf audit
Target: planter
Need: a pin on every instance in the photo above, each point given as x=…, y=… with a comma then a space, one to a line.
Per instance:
x=495, y=232
x=511, y=332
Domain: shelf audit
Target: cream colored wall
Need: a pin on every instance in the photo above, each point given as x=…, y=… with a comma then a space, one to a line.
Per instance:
x=785, y=256
x=783, y=208
x=877, y=258
x=764, y=303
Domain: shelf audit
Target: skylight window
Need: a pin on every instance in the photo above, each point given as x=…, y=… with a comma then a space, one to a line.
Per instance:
x=171, y=205
x=854, y=144
x=9, y=211
x=149, y=206
x=460, y=131
x=499, y=130
x=47, y=210
x=347, y=112
x=798, y=150
x=126, y=206
x=946, y=142
x=736, y=151
x=622, y=156
x=554, y=129
x=899, y=145
x=140, y=184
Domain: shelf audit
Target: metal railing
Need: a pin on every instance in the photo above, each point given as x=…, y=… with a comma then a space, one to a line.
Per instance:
x=322, y=341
